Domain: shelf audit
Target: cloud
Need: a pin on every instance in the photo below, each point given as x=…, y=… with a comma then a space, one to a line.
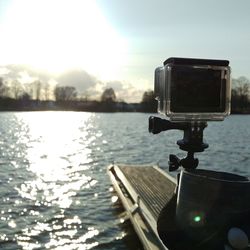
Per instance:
x=90, y=86
x=131, y=94
x=3, y=71
x=86, y=84
x=23, y=74
x=79, y=79
x=116, y=85
x=125, y=91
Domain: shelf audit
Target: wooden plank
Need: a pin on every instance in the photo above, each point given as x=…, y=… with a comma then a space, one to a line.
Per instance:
x=154, y=188
x=148, y=239
x=144, y=191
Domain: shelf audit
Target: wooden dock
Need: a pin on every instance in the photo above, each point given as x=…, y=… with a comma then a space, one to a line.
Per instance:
x=143, y=191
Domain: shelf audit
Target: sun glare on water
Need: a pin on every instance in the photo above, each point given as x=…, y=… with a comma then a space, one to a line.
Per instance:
x=58, y=35
x=58, y=153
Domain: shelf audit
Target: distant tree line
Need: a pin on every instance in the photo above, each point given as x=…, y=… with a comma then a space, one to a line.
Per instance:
x=40, y=96
x=240, y=102
x=149, y=104
x=15, y=90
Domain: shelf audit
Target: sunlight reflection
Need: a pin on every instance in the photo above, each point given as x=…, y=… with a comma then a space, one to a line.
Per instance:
x=12, y=224
x=114, y=199
x=58, y=152
x=59, y=155
x=61, y=242
x=121, y=236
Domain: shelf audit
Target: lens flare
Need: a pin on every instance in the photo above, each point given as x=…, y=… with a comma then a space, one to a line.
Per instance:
x=197, y=218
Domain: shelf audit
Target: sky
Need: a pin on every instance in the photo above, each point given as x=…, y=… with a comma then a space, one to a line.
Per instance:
x=95, y=44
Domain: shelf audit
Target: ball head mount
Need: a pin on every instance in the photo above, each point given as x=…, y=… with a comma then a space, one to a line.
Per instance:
x=192, y=141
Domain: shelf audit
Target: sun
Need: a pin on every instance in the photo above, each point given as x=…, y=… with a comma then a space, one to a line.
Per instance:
x=61, y=34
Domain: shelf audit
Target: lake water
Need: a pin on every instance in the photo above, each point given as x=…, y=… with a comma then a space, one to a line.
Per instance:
x=55, y=191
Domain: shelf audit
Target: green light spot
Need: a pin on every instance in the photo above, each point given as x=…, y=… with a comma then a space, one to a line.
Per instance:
x=197, y=218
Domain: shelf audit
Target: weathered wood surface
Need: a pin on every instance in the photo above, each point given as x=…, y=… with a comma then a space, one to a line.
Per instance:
x=154, y=188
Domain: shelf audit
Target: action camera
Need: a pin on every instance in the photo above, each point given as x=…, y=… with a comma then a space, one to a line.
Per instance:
x=193, y=89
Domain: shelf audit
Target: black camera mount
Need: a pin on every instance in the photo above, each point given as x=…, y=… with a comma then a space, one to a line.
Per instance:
x=192, y=141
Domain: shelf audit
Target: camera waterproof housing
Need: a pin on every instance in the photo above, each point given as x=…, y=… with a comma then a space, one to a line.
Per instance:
x=193, y=89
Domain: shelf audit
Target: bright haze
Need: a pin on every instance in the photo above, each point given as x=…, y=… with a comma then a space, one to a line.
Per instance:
x=95, y=44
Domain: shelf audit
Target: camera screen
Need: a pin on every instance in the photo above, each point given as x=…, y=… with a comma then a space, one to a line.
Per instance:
x=197, y=90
